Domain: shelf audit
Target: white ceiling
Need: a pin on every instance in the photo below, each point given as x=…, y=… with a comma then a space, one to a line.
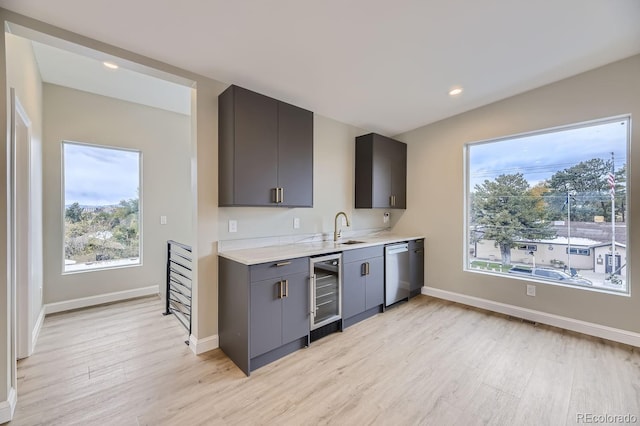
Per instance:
x=68, y=69
x=380, y=65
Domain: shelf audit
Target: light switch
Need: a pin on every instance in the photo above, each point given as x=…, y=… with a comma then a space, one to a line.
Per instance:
x=163, y=220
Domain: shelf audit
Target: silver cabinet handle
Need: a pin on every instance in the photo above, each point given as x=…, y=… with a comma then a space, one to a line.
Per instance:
x=276, y=195
x=279, y=194
x=390, y=200
x=367, y=267
x=277, y=265
x=363, y=269
x=312, y=305
x=286, y=288
x=281, y=295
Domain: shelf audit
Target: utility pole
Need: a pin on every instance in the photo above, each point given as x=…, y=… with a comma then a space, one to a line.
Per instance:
x=612, y=190
x=569, y=231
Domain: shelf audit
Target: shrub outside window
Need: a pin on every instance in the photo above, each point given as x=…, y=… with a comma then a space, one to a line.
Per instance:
x=101, y=207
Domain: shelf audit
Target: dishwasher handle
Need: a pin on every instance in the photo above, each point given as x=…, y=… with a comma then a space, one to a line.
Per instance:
x=397, y=248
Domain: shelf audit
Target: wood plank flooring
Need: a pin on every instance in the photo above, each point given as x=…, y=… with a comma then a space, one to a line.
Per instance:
x=426, y=362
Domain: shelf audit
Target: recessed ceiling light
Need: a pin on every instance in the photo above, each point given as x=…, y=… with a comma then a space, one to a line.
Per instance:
x=455, y=92
x=110, y=65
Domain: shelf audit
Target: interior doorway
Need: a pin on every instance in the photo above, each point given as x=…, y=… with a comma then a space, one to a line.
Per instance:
x=21, y=225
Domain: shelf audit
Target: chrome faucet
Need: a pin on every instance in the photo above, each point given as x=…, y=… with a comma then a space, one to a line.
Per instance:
x=336, y=231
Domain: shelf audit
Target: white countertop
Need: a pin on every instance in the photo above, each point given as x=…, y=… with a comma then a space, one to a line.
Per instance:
x=253, y=256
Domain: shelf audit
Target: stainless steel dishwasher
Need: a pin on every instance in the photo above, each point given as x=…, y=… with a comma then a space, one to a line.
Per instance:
x=396, y=270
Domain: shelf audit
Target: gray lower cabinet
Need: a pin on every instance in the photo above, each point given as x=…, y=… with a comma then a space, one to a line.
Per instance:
x=362, y=284
x=416, y=267
x=264, y=310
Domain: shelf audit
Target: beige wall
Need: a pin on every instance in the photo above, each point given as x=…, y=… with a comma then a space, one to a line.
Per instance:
x=436, y=190
x=164, y=140
x=24, y=77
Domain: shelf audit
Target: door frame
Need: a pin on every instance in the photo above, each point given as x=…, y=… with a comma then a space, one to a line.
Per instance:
x=20, y=158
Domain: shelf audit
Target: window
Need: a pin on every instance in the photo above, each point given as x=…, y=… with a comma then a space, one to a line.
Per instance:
x=101, y=207
x=564, y=187
x=578, y=251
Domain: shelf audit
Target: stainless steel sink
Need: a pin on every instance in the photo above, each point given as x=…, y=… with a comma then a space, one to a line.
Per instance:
x=352, y=242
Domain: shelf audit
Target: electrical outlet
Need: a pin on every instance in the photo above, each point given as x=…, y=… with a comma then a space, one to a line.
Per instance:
x=531, y=290
x=296, y=223
x=163, y=220
x=233, y=226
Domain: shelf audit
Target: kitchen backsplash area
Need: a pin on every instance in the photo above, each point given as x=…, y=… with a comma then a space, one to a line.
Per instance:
x=259, y=227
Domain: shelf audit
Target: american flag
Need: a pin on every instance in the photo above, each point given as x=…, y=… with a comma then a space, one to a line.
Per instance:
x=612, y=184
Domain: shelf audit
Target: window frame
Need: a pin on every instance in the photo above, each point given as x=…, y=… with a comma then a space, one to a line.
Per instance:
x=578, y=251
x=139, y=263
x=467, y=257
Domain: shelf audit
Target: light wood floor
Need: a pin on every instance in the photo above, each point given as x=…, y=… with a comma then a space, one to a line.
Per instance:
x=426, y=362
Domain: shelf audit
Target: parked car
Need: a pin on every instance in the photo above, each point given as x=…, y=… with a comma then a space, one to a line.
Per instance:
x=550, y=274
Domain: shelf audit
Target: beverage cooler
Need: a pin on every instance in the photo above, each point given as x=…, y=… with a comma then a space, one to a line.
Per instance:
x=326, y=290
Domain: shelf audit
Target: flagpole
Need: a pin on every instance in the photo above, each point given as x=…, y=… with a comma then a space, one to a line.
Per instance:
x=612, y=190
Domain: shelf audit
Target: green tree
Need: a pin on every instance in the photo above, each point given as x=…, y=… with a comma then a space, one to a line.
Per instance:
x=507, y=210
x=587, y=181
x=73, y=213
x=107, y=232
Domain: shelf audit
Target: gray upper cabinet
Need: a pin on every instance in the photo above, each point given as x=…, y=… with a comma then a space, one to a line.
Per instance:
x=295, y=155
x=381, y=172
x=265, y=151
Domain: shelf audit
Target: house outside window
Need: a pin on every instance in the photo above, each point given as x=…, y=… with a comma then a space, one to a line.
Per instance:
x=551, y=201
x=102, y=221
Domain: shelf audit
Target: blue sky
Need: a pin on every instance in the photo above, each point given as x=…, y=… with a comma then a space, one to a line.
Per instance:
x=96, y=176
x=540, y=156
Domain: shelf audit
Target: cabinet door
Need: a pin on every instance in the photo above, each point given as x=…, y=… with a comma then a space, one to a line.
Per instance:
x=398, y=156
x=353, y=289
x=382, y=169
x=375, y=283
x=255, y=148
x=416, y=267
x=295, y=308
x=266, y=316
x=295, y=155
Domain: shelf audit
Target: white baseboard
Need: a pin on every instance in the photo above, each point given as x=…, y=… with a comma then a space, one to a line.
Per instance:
x=206, y=344
x=592, y=329
x=100, y=299
x=8, y=407
x=36, y=330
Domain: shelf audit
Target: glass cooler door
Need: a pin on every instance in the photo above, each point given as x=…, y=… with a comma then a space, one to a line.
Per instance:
x=325, y=290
